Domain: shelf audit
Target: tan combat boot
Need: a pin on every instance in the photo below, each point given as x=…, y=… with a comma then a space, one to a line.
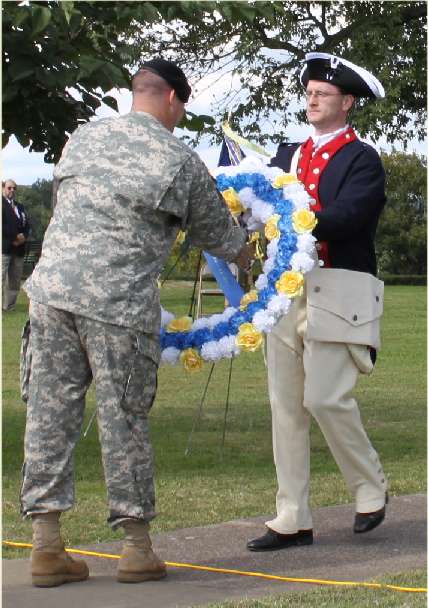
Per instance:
x=138, y=563
x=50, y=564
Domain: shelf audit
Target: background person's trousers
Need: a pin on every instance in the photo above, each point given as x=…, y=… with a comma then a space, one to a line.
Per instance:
x=309, y=377
x=68, y=351
x=12, y=267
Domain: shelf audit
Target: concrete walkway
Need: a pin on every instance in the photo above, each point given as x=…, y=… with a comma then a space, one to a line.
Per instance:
x=399, y=544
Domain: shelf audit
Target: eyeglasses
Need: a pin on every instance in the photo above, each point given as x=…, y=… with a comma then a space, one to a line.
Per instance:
x=10, y=187
x=320, y=94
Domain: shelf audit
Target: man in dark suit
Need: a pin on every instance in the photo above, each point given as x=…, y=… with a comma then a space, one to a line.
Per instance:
x=316, y=353
x=15, y=231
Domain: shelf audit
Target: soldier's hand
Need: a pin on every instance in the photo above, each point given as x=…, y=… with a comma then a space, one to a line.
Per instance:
x=245, y=257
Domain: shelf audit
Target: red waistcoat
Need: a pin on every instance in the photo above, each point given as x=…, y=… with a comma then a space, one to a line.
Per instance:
x=309, y=170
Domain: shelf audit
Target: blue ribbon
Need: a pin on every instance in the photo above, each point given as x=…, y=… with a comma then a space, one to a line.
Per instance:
x=232, y=290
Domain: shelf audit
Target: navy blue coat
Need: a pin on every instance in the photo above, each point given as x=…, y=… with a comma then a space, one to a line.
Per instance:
x=352, y=194
x=12, y=226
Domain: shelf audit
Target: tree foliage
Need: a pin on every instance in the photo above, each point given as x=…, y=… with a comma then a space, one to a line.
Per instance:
x=37, y=200
x=401, y=235
x=51, y=48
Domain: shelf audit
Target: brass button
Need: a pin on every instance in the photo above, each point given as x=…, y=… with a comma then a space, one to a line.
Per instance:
x=325, y=155
x=311, y=186
x=317, y=289
x=316, y=170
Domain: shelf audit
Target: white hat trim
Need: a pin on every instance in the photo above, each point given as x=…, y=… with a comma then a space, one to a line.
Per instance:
x=372, y=82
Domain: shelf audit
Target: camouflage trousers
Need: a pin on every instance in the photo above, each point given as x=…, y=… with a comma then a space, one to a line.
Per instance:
x=68, y=352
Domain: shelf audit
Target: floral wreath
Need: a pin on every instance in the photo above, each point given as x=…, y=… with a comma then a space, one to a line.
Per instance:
x=278, y=201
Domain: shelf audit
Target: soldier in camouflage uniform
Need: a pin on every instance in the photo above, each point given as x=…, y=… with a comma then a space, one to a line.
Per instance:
x=126, y=186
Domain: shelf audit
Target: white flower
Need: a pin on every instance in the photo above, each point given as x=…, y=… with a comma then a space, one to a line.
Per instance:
x=247, y=197
x=210, y=351
x=268, y=265
x=214, y=320
x=306, y=242
x=201, y=323
x=262, y=282
x=170, y=355
x=227, y=346
x=228, y=312
x=263, y=321
x=302, y=200
x=166, y=317
x=266, y=211
x=279, y=304
x=272, y=248
x=301, y=261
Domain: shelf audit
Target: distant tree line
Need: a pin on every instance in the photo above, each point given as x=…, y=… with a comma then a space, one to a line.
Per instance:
x=401, y=235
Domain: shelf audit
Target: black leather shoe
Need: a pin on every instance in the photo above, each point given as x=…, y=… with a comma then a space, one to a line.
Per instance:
x=364, y=522
x=271, y=541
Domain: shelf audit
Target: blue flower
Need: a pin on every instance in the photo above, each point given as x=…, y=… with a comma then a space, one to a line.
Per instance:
x=253, y=307
x=237, y=319
x=221, y=330
x=200, y=336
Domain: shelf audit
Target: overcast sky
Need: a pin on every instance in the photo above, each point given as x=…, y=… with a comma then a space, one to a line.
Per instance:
x=26, y=167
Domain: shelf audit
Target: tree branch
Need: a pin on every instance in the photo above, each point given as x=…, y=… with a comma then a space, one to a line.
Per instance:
x=274, y=43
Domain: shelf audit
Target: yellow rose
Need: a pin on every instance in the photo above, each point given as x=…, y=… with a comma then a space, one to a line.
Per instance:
x=180, y=237
x=181, y=324
x=191, y=360
x=271, y=227
x=290, y=283
x=304, y=221
x=284, y=180
x=248, y=338
x=233, y=201
x=247, y=298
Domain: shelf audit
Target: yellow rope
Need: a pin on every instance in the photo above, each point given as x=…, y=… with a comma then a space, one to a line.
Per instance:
x=273, y=577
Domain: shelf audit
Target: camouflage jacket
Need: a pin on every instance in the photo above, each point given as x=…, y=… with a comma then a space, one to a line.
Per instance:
x=126, y=187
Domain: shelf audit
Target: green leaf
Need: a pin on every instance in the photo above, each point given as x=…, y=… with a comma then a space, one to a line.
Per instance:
x=149, y=12
x=19, y=69
x=67, y=7
x=88, y=64
x=195, y=122
x=110, y=102
x=116, y=75
x=22, y=138
x=41, y=18
x=5, y=139
x=21, y=15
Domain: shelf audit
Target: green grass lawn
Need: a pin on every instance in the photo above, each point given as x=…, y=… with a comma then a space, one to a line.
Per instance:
x=214, y=484
x=344, y=597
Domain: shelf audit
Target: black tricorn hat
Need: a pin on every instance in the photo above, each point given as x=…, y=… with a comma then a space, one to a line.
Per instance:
x=342, y=73
x=172, y=74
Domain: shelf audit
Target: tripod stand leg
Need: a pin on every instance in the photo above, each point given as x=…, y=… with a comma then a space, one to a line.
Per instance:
x=226, y=409
x=199, y=413
x=90, y=423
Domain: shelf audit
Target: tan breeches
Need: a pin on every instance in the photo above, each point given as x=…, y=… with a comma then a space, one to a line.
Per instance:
x=308, y=377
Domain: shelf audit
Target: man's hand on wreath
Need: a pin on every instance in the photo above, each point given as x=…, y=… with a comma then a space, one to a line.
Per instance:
x=245, y=258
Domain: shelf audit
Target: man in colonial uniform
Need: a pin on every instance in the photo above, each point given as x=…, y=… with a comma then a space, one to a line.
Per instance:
x=316, y=353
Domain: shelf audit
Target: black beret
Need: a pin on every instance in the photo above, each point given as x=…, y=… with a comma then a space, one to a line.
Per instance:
x=172, y=74
x=342, y=73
